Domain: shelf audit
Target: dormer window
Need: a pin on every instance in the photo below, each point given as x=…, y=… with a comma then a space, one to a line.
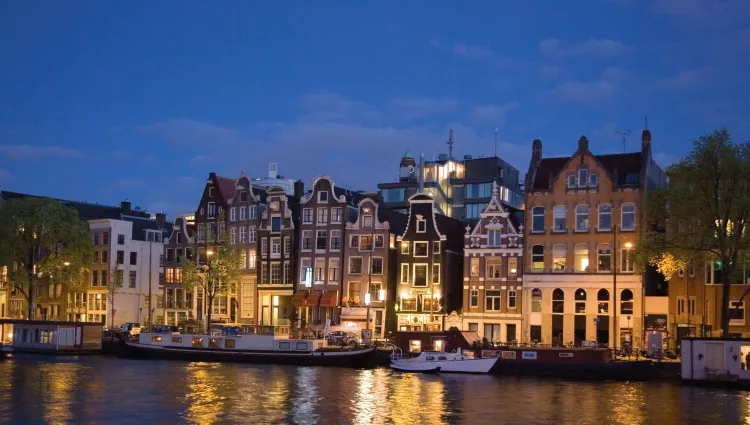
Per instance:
x=571, y=181
x=583, y=177
x=421, y=225
x=211, y=210
x=593, y=180
x=323, y=196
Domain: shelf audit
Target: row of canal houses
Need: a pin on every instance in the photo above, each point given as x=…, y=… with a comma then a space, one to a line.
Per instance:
x=559, y=271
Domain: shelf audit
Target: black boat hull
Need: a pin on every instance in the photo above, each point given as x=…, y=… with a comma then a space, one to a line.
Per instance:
x=617, y=371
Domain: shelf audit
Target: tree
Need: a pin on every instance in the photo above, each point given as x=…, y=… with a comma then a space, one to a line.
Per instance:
x=115, y=284
x=215, y=269
x=40, y=237
x=701, y=214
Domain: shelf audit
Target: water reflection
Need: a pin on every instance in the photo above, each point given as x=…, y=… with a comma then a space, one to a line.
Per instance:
x=101, y=390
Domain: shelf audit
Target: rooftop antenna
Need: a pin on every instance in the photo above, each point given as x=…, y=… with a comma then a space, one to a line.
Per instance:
x=496, y=130
x=450, y=144
x=624, y=135
x=647, y=122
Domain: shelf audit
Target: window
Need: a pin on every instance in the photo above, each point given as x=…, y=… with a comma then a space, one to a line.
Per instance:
x=243, y=234
x=305, y=274
x=322, y=196
x=253, y=212
x=474, y=298
x=558, y=301
x=354, y=241
x=132, y=278
x=559, y=213
x=580, y=301
x=306, y=240
x=474, y=267
x=582, y=258
x=536, y=300
x=120, y=257
x=275, y=247
x=321, y=240
x=436, y=248
x=626, y=259
x=253, y=234
x=474, y=210
x=537, y=258
x=583, y=175
x=478, y=190
x=322, y=215
x=404, y=247
x=375, y=291
x=252, y=258
x=307, y=216
x=104, y=278
x=436, y=273
x=367, y=222
x=94, y=278
x=105, y=238
x=628, y=216
x=263, y=273
x=691, y=269
x=336, y=215
x=95, y=238
x=120, y=239
x=233, y=214
x=605, y=217
x=537, y=219
x=492, y=301
x=593, y=180
x=133, y=258
x=571, y=181
x=421, y=225
x=275, y=224
x=393, y=195
x=420, y=249
x=355, y=265
x=233, y=235
x=511, y=299
x=263, y=247
x=494, y=268
x=736, y=313
x=211, y=210
x=335, y=240
x=243, y=213
x=243, y=259
x=420, y=275
x=582, y=218
x=513, y=267
x=333, y=270
x=604, y=258
x=275, y=273
x=626, y=301
x=377, y=265
x=558, y=258
x=602, y=300
x=493, y=238
x=404, y=273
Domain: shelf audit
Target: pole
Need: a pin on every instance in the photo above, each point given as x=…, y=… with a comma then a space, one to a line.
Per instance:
x=614, y=294
x=368, y=317
x=496, y=143
x=150, y=309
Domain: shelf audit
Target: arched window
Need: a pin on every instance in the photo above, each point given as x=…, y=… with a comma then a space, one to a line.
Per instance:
x=537, y=219
x=626, y=301
x=582, y=258
x=605, y=217
x=628, y=216
x=560, y=215
x=558, y=301
x=536, y=300
x=604, y=263
x=582, y=218
x=602, y=298
x=580, y=301
x=558, y=258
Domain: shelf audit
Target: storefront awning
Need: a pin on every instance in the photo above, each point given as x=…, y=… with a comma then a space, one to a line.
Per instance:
x=329, y=299
x=313, y=298
x=298, y=299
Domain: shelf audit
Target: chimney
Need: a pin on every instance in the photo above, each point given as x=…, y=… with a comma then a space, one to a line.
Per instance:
x=273, y=169
x=420, y=177
x=536, y=148
x=536, y=155
x=583, y=143
x=299, y=188
x=645, y=140
x=125, y=206
x=212, y=175
x=161, y=219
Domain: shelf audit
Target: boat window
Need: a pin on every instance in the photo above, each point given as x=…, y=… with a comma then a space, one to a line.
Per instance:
x=229, y=343
x=285, y=345
x=177, y=339
x=213, y=343
x=415, y=346
x=197, y=342
x=302, y=346
x=156, y=338
x=430, y=358
x=442, y=358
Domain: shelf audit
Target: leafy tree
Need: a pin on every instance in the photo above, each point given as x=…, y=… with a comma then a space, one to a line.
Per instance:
x=115, y=284
x=702, y=213
x=215, y=268
x=40, y=237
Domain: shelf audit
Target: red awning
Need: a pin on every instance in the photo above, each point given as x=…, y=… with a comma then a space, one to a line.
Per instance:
x=329, y=299
x=298, y=299
x=313, y=298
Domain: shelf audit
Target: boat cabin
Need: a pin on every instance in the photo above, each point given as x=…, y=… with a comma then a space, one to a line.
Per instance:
x=415, y=342
x=232, y=341
x=716, y=359
x=41, y=336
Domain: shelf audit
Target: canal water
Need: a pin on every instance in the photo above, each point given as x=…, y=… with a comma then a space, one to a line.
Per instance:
x=101, y=390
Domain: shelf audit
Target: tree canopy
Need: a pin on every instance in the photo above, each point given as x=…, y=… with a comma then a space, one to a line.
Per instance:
x=701, y=214
x=40, y=237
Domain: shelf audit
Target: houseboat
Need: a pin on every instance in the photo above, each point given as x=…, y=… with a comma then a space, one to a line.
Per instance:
x=247, y=348
x=716, y=362
x=439, y=361
x=50, y=337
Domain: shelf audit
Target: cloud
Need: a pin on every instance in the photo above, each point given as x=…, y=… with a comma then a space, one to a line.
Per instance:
x=479, y=53
x=584, y=92
x=128, y=183
x=5, y=176
x=493, y=113
x=685, y=80
x=704, y=12
x=592, y=48
x=187, y=132
x=333, y=107
x=28, y=152
x=412, y=108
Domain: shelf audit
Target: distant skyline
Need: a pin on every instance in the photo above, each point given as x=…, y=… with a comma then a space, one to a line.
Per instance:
x=102, y=101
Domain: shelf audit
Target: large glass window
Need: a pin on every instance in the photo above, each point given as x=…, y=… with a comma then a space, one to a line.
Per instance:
x=558, y=301
x=537, y=258
x=558, y=258
x=536, y=300
x=493, y=238
x=478, y=190
x=582, y=218
x=605, y=217
x=420, y=275
x=583, y=177
x=602, y=299
x=628, y=216
x=627, y=257
x=494, y=268
x=604, y=258
x=537, y=219
x=626, y=301
x=580, y=301
x=393, y=195
x=492, y=301
x=474, y=210
x=560, y=215
x=582, y=258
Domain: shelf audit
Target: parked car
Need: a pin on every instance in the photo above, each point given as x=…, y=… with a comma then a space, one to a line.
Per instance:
x=130, y=328
x=343, y=338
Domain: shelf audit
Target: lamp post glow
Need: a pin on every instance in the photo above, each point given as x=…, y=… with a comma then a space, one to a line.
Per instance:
x=367, y=303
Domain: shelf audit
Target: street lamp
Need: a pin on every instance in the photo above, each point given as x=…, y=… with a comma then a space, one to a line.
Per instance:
x=66, y=264
x=367, y=303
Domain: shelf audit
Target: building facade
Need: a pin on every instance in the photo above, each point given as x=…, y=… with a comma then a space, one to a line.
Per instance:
x=430, y=267
x=179, y=301
x=584, y=216
x=493, y=273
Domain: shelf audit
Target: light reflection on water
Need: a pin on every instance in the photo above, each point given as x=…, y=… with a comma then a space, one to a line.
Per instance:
x=92, y=390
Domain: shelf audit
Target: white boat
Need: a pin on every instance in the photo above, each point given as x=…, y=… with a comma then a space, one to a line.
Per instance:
x=438, y=361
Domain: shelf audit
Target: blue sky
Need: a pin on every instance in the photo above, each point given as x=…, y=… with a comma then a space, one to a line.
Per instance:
x=101, y=101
